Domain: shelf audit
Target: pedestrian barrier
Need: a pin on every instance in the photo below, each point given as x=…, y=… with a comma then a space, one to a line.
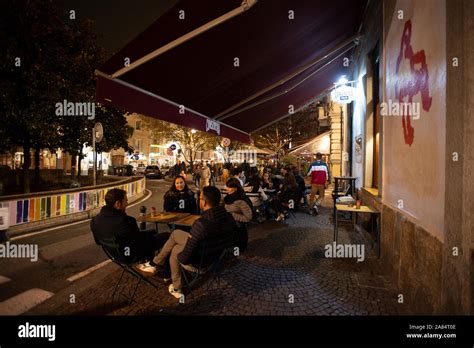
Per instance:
x=41, y=207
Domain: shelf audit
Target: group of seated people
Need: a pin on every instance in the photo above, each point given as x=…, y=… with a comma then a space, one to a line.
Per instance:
x=168, y=252
x=227, y=217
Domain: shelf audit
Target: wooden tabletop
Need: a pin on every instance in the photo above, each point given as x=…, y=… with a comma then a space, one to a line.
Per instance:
x=188, y=220
x=362, y=209
x=162, y=217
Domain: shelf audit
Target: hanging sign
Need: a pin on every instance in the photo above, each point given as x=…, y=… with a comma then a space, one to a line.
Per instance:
x=343, y=94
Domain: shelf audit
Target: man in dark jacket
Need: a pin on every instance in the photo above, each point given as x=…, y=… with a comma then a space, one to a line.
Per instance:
x=112, y=226
x=182, y=246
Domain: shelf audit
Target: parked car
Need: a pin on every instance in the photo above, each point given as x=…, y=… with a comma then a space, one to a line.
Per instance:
x=139, y=169
x=153, y=172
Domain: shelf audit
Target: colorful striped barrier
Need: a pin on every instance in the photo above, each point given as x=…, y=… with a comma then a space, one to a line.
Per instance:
x=43, y=207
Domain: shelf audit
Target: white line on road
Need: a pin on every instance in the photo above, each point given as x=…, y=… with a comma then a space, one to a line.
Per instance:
x=23, y=236
x=88, y=271
x=23, y=302
x=4, y=279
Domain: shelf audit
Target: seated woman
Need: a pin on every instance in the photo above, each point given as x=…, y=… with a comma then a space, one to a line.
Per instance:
x=266, y=182
x=258, y=200
x=180, y=198
x=287, y=197
x=240, y=206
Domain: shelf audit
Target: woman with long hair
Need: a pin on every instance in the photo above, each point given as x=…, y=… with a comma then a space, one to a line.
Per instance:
x=240, y=206
x=266, y=182
x=287, y=197
x=180, y=198
x=256, y=188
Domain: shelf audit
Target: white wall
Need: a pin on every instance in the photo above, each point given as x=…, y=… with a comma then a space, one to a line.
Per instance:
x=414, y=169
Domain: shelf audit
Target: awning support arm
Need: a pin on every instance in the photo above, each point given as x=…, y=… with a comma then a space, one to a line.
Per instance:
x=353, y=40
x=246, y=4
x=259, y=102
x=319, y=96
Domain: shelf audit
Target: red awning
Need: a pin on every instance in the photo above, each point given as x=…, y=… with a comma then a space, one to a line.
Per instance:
x=270, y=41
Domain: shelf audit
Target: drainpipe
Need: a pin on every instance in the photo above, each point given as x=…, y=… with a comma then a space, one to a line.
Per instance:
x=246, y=4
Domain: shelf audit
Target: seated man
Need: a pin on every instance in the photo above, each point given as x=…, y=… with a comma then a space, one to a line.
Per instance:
x=113, y=226
x=182, y=246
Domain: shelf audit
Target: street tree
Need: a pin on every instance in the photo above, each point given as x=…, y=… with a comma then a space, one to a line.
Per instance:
x=47, y=58
x=294, y=130
x=191, y=141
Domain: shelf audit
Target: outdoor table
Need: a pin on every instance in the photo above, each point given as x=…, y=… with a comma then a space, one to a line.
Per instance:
x=187, y=221
x=354, y=211
x=163, y=218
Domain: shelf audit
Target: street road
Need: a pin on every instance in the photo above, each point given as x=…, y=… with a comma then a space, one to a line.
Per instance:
x=68, y=261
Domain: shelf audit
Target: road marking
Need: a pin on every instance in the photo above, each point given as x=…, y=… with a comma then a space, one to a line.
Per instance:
x=23, y=236
x=4, y=279
x=88, y=271
x=23, y=302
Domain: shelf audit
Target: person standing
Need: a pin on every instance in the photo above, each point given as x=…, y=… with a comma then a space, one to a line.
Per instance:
x=176, y=171
x=197, y=175
x=205, y=175
x=319, y=173
x=213, y=169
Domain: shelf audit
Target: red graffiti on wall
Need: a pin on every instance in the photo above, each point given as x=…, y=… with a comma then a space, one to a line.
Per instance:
x=416, y=83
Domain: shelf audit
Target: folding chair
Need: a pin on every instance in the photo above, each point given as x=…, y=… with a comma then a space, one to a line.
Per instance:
x=211, y=254
x=112, y=250
x=291, y=210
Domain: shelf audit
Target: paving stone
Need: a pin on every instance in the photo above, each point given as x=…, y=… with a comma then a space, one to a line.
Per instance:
x=280, y=260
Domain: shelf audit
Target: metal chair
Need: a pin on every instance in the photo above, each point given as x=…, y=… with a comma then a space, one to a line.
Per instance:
x=210, y=256
x=112, y=250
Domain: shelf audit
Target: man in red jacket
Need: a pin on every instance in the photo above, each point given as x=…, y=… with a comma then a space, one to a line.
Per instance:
x=319, y=173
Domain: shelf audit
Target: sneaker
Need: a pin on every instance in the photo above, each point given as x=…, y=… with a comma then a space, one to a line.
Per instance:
x=145, y=269
x=311, y=212
x=280, y=217
x=316, y=209
x=174, y=292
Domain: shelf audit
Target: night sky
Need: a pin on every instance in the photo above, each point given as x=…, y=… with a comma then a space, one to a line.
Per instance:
x=117, y=21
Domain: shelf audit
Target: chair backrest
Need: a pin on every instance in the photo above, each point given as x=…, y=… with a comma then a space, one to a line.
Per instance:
x=210, y=249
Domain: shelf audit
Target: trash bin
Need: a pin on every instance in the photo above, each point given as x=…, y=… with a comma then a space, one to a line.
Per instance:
x=128, y=170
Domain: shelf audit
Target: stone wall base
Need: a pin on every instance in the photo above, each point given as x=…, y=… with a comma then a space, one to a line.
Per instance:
x=410, y=256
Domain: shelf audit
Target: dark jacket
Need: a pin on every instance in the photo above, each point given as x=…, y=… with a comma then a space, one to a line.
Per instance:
x=183, y=202
x=214, y=224
x=115, y=226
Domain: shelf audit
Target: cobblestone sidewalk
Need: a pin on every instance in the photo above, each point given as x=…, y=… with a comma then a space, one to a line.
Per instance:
x=283, y=272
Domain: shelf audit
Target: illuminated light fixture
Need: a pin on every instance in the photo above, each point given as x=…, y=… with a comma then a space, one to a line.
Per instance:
x=342, y=81
x=193, y=131
x=343, y=92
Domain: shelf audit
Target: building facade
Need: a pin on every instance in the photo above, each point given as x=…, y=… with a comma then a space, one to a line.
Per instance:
x=410, y=129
